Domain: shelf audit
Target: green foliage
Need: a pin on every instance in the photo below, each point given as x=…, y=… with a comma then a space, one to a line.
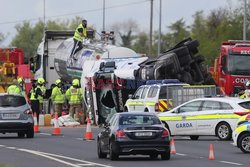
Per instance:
x=2, y=37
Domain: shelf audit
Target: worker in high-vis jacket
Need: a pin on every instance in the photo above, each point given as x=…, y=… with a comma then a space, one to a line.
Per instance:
x=74, y=96
x=246, y=93
x=41, y=86
x=79, y=35
x=33, y=96
x=17, y=87
x=58, y=97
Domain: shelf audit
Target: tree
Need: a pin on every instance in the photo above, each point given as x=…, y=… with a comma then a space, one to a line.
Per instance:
x=141, y=43
x=2, y=37
x=125, y=31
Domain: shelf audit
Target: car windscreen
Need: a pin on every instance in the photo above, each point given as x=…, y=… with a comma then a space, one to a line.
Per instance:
x=139, y=120
x=245, y=104
x=12, y=101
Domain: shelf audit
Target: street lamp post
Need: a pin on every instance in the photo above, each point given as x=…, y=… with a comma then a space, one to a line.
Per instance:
x=159, y=36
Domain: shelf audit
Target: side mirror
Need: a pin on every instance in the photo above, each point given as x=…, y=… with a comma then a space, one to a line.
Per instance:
x=130, y=96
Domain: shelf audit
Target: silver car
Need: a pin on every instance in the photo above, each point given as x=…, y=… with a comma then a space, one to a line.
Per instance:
x=16, y=115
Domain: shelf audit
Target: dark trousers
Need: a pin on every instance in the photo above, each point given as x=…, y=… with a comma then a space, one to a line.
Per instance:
x=76, y=47
x=35, y=106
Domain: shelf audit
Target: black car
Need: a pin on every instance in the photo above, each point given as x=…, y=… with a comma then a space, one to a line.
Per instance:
x=16, y=115
x=134, y=133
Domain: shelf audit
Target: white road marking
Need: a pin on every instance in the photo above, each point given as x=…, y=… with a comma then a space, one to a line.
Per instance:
x=232, y=163
x=85, y=164
x=12, y=148
x=49, y=157
x=185, y=138
x=2, y=145
x=61, y=156
x=47, y=134
x=79, y=138
x=181, y=154
x=74, y=159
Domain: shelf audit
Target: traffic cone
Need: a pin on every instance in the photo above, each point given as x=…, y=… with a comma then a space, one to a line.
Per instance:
x=57, y=131
x=36, y=127
x=88, y=134
x=211, y=152
x=173, y=151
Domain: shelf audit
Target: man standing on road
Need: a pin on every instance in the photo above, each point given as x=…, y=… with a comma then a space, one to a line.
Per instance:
x=79, y=36
x=75, y=96
x=33, y=96
x=57, y=97
x=40, y=85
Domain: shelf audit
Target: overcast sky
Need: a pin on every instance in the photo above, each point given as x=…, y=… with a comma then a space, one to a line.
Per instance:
x=13, y=12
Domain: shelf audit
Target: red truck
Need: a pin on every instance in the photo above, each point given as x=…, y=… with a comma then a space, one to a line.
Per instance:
x=12, y=65
x=231, y=69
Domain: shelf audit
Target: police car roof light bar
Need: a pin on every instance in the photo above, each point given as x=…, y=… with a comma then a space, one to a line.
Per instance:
x=165, y=81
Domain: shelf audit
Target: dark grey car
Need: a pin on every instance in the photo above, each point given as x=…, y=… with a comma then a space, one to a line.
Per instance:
x=16, y=115
x=134, y=133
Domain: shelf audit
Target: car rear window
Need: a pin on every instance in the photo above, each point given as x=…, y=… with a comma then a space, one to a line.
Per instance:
x=12, y=101
x=245, y=104
x=139, y=120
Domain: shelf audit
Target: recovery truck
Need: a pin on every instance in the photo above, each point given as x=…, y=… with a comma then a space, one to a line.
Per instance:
x=12, y=66
x=231, y=68
x=106, y=65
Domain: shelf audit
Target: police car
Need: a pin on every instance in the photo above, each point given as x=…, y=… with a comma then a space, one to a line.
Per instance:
x=241, y=135
x=205, y=116
x=164, y=95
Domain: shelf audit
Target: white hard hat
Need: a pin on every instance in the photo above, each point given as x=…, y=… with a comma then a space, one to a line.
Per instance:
x=248, y=83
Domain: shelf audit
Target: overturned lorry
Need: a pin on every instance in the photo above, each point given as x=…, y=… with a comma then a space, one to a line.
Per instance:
x=108, y=87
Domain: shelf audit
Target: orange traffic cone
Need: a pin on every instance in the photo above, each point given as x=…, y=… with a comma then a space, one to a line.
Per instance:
x=36, y=127
x=88, y=134
x=57, y=131
x=211, y=152
x=173, y=151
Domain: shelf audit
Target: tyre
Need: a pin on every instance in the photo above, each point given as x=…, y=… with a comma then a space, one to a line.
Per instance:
x=244, y=143
x=21, y=134
x=99, y=150
x=146, y=110
x=223, y=131
x=194, y=137
x=153, y=156
x=30, y=133
x=112, y=155
x=166, y=155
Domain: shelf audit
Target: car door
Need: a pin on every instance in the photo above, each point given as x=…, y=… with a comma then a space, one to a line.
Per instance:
x=185, y=123
x=209, y=116
x=141, y=101
x=134, y=102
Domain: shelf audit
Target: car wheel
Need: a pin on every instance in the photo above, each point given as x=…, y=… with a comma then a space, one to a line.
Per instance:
x=166, y=155
x=153, y=156
x=21, y=134
x=30, y=133
x=223, y=131
x=194, y=137
x=99, y=150
x=245, y=143
x=145, y=110
x=112, y=154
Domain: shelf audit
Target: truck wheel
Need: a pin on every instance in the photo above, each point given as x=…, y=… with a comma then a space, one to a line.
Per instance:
x=244, y=143
x=223, y=131
x=146, y=110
